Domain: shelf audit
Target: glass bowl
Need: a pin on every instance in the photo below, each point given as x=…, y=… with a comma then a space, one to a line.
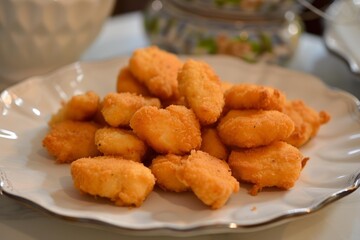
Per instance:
x=261, y=36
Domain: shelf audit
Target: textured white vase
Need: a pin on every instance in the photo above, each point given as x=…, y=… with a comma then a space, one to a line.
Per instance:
x=37, y=36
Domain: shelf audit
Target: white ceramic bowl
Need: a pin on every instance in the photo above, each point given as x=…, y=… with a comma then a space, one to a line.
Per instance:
x=37, y=36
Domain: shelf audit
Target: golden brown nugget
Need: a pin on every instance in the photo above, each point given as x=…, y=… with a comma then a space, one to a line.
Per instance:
x=209, y=178
x=254, y=128
x=172, y=130
x=276, y=165
x=120, y=142
x=126, y=82
x=157, y=70
x=165, y=169
x=202, y=90
x=212, y=144
x=252, y=96
x=82, y=107
x=118, y=108
x=307, y=122
x=70, y=140
x=127, y=183
x=226, y=86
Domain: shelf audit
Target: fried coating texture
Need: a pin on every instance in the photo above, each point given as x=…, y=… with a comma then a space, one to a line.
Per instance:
x=126, y=82
x=276, y=165
x=80, y=107
x=212, y=144
x=252, y=96
x=202, y=90
x=157, y=70
x=253, y=128
x=70, y=140
x=127, y=183
x=120, y=142
x=118, y=108
x=226, y=86
x=172, y=130
x=209, y=178
x=307, y=122
x=165, y=169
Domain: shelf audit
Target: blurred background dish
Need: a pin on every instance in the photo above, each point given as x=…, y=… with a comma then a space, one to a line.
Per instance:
x=342, y=32
x=253, y=32
x=39, y=36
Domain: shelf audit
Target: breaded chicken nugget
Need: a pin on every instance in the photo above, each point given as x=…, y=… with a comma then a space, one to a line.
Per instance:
x=172, y=130
x=225, y=85
x=157, y=70
x=120, y=142
x=165, y=169
x=252, y=96
x=202, y=90
x=127, y=183
x=126, y=82
x=276, y=165
x=307, y=122
x=99, y=118
x=212, y=144
x=70, y=140
x=209, y=178
x=118, y=108
x=253, y=128
x=81, y=107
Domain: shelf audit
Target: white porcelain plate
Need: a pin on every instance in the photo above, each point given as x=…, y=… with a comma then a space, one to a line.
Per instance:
x=28, y=173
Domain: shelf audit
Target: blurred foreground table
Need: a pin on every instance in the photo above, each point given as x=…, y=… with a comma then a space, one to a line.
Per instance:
x=120, y=36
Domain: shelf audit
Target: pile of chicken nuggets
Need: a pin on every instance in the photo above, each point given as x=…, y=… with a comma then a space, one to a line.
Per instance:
x=177, y=125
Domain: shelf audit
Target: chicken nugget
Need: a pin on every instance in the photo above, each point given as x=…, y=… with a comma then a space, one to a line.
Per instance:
x=165, y=169
x=307, y=122
x=157, y=70
x=253, y=128
x=252, y=96
x=127, y=183
x=276, y=165
x=209, y=178
x=82, y=107
x=212, y=144
x=126, y=82
x=202, y=90
x=70, y=140
x=120, y=142
x=172, y=130
x=225, y=85
x=118, y=108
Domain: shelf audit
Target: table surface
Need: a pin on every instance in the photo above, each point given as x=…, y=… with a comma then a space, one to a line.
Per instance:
x=120, y=36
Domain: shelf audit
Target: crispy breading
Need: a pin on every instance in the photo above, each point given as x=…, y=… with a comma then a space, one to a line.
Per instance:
x=226, y=85
x=202, y=90
x=172, y=130
x=252, y=96
x=276, y=165
x=212, y=144
x=307, y=122
x=70, y=140
x=120, y=142
x=126, y=82
x=209, y=178
x=82, y=107
x=157, y=70
x=127, y=183
x=253, y=128
x=118, y=108
x=165, y=169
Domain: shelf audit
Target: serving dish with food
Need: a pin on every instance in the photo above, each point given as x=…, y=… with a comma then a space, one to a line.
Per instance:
x=316, y=167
